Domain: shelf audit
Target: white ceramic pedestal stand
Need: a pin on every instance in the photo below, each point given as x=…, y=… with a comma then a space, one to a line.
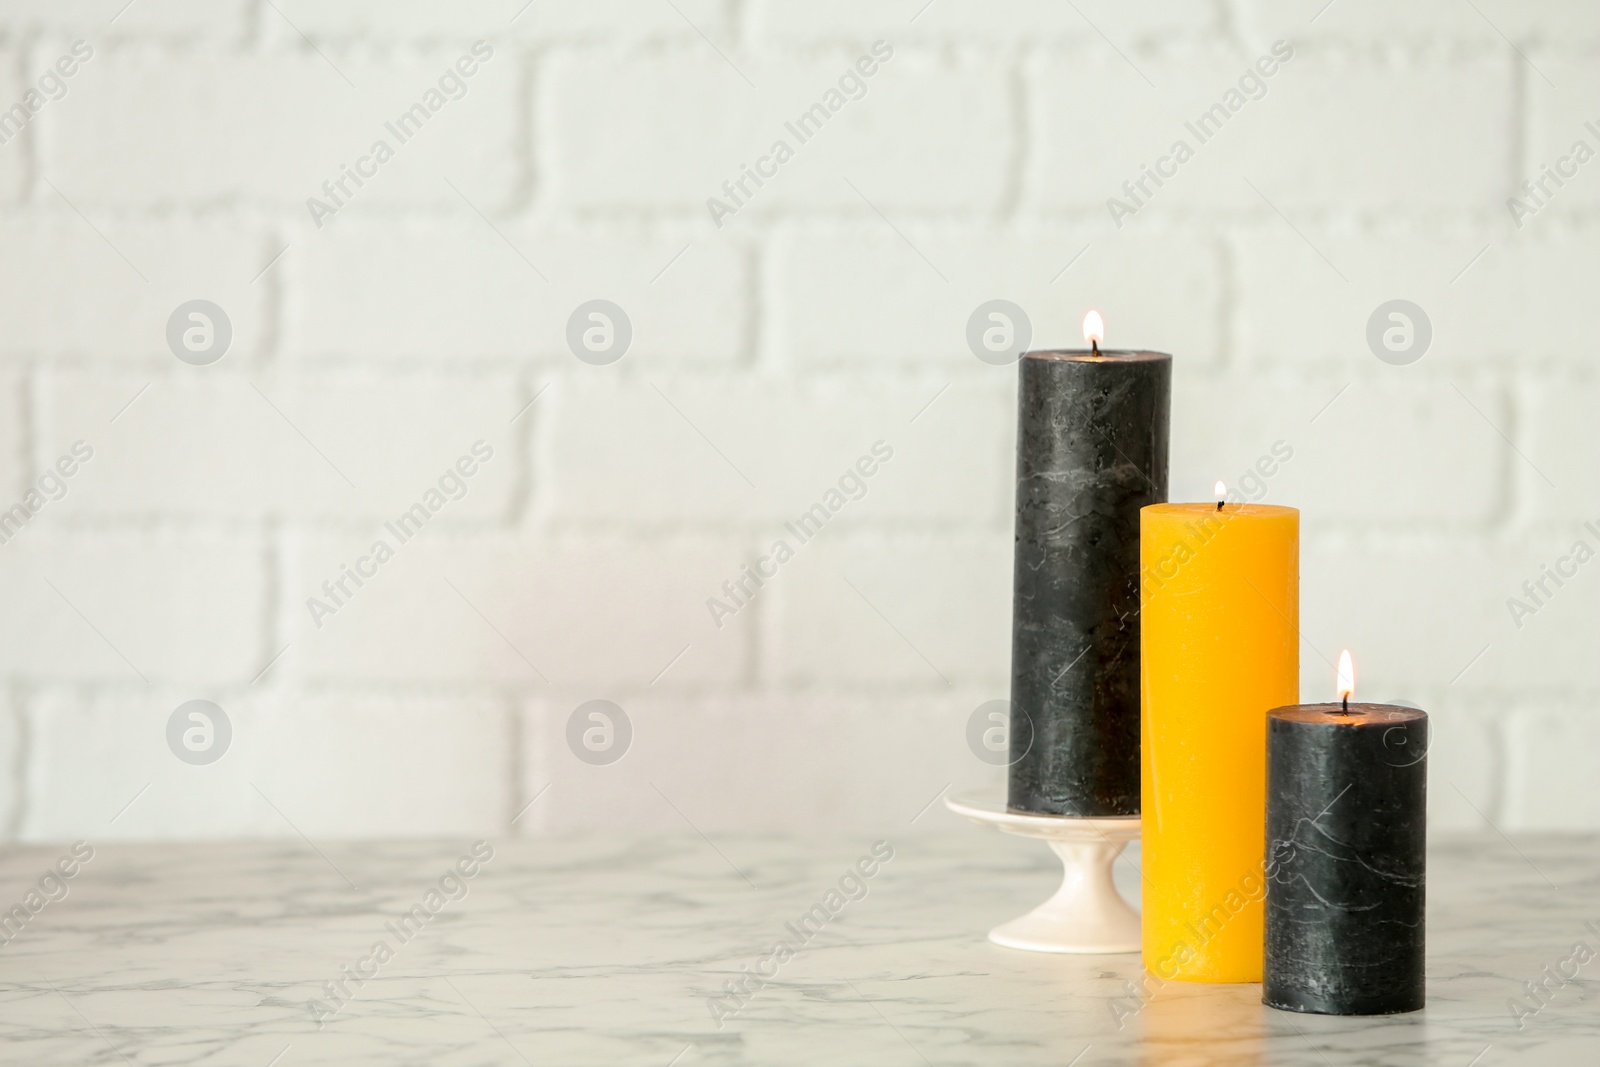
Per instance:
x=1086, y=914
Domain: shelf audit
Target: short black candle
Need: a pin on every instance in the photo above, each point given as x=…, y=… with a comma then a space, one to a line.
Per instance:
x=1091, y=451
x=1346, y=858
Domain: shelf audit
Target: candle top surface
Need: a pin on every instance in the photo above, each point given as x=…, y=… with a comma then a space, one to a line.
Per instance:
x=1376, y=714
x=1105, y=355
x=1201, y=509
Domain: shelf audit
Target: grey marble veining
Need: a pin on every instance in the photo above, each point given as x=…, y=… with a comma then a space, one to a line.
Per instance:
x=611, y=951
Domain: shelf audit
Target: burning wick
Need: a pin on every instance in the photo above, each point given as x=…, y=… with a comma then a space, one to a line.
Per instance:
x=1094, y=330
x=1221, y=490
x=1347, y=680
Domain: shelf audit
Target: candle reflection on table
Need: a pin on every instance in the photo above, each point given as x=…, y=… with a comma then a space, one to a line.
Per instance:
x=1193, y=1025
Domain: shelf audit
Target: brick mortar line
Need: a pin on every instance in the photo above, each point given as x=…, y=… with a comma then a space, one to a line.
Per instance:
x=436, y=215
x=1387, y=46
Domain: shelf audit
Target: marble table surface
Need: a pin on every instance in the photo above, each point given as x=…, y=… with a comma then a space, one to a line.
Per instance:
x=610, y=950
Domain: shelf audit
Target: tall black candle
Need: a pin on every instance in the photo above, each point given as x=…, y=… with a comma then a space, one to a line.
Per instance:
x=1346, y=842
x=1091, y=451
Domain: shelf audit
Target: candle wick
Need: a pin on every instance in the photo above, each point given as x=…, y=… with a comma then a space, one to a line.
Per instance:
x=1219, y=505
x=1346, y=701
x=1094, y=343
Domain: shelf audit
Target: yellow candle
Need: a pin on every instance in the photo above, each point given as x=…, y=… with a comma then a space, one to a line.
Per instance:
x=1220, y=592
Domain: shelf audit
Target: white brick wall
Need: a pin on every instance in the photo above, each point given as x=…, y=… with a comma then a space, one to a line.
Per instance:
x=767, y=355
x=644, y=134
x=452, y=290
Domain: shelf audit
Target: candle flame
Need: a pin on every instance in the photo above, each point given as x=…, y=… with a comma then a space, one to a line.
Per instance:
x=1094, y=328
x=1347, y=676
x=1221, y=489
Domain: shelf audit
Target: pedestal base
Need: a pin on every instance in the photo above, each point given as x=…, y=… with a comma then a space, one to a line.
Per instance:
x=1087, y=914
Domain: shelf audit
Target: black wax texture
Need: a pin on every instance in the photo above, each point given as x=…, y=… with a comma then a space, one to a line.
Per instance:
x=1091, y=451
x=1346, y=859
